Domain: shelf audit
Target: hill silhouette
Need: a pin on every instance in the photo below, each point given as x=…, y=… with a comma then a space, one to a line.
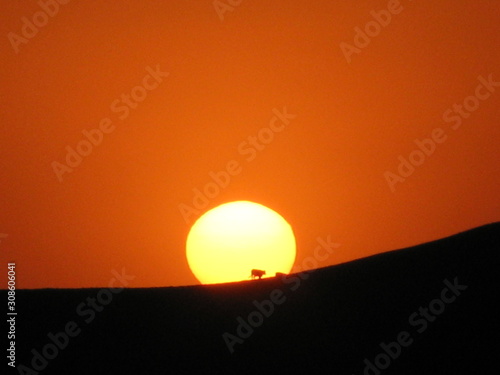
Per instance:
x=433, y=307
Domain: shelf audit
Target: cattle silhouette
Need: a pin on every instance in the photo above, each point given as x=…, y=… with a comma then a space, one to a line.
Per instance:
x=257, y=273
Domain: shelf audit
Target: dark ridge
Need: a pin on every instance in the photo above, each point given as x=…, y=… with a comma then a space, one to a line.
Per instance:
x=330, y=320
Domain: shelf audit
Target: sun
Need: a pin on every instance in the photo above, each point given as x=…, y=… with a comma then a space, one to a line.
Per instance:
x=230, y=240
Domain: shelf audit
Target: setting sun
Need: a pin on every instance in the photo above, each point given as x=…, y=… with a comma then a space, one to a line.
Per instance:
x=230, y=240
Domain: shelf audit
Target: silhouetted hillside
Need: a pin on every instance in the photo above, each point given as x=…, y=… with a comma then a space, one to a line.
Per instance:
x=329, y=322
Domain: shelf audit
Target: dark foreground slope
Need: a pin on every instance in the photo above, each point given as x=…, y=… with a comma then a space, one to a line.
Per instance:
x=333, y=321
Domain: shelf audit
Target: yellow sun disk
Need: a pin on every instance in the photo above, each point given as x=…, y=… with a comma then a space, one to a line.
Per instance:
x=230, y=240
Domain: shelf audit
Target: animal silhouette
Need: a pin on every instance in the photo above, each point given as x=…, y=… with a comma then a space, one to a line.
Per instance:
x=257, y=273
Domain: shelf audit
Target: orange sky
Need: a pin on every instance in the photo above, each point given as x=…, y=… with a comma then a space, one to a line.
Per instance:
x=228, y=74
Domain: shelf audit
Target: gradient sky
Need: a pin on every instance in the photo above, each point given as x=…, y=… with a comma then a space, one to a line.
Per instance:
x=324, y=172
